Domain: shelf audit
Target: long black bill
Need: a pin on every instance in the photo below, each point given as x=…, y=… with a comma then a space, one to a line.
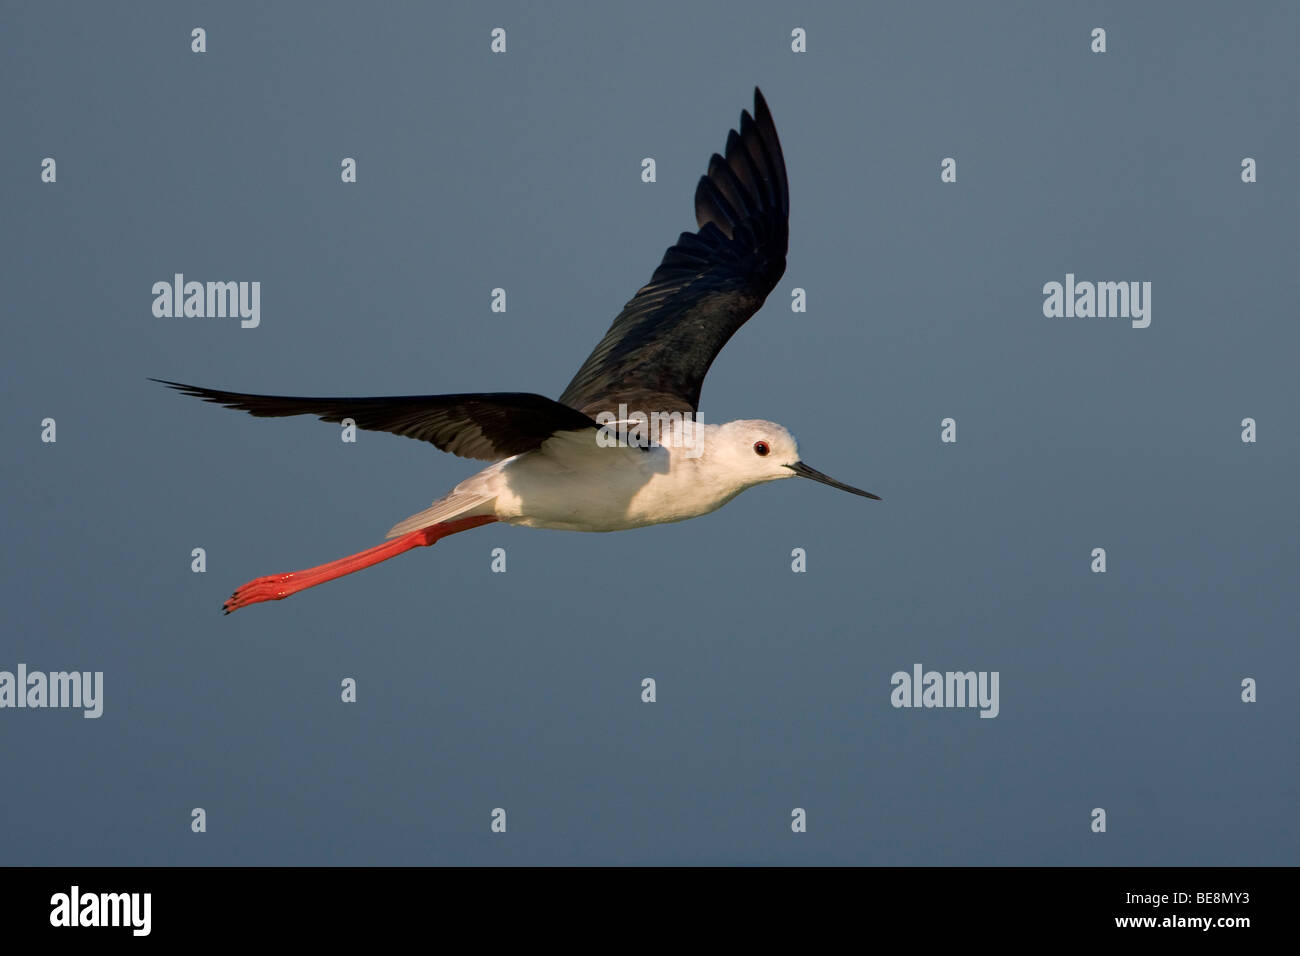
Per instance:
x=803, y=471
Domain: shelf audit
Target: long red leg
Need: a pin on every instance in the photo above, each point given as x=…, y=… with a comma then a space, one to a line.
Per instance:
x=274, y=587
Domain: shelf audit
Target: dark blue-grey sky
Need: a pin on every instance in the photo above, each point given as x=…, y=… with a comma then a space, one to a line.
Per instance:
x=522, y=690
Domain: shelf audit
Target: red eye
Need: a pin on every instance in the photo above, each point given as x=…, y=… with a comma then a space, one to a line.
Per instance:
x=761, y=449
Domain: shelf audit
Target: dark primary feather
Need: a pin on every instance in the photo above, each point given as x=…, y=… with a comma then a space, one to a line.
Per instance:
x=655, y=355
x=486, y=425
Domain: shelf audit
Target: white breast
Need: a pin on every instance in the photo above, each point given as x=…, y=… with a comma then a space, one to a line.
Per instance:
x=574, y=485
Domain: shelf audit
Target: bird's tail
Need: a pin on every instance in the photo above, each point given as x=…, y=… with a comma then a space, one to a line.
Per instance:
x=458, y=504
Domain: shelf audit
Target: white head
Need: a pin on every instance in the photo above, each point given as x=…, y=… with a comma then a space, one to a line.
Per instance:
x=754, y=451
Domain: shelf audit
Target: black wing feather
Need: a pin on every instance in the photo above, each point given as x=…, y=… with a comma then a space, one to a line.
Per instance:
x=656, y=354
x=486, y=425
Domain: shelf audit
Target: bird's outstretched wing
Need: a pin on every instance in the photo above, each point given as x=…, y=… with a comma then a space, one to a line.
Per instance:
x=655, y=355
x=486, y=425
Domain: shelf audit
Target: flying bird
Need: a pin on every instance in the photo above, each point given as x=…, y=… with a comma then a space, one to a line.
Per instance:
x=622, y=447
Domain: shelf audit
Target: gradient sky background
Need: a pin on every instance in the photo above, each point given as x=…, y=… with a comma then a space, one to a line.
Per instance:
x=522, y=690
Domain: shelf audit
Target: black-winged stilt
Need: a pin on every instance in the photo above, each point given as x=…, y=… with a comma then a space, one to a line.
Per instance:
x=622, y=447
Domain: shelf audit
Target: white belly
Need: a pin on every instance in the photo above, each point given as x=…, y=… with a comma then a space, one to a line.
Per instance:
x=607, y=490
